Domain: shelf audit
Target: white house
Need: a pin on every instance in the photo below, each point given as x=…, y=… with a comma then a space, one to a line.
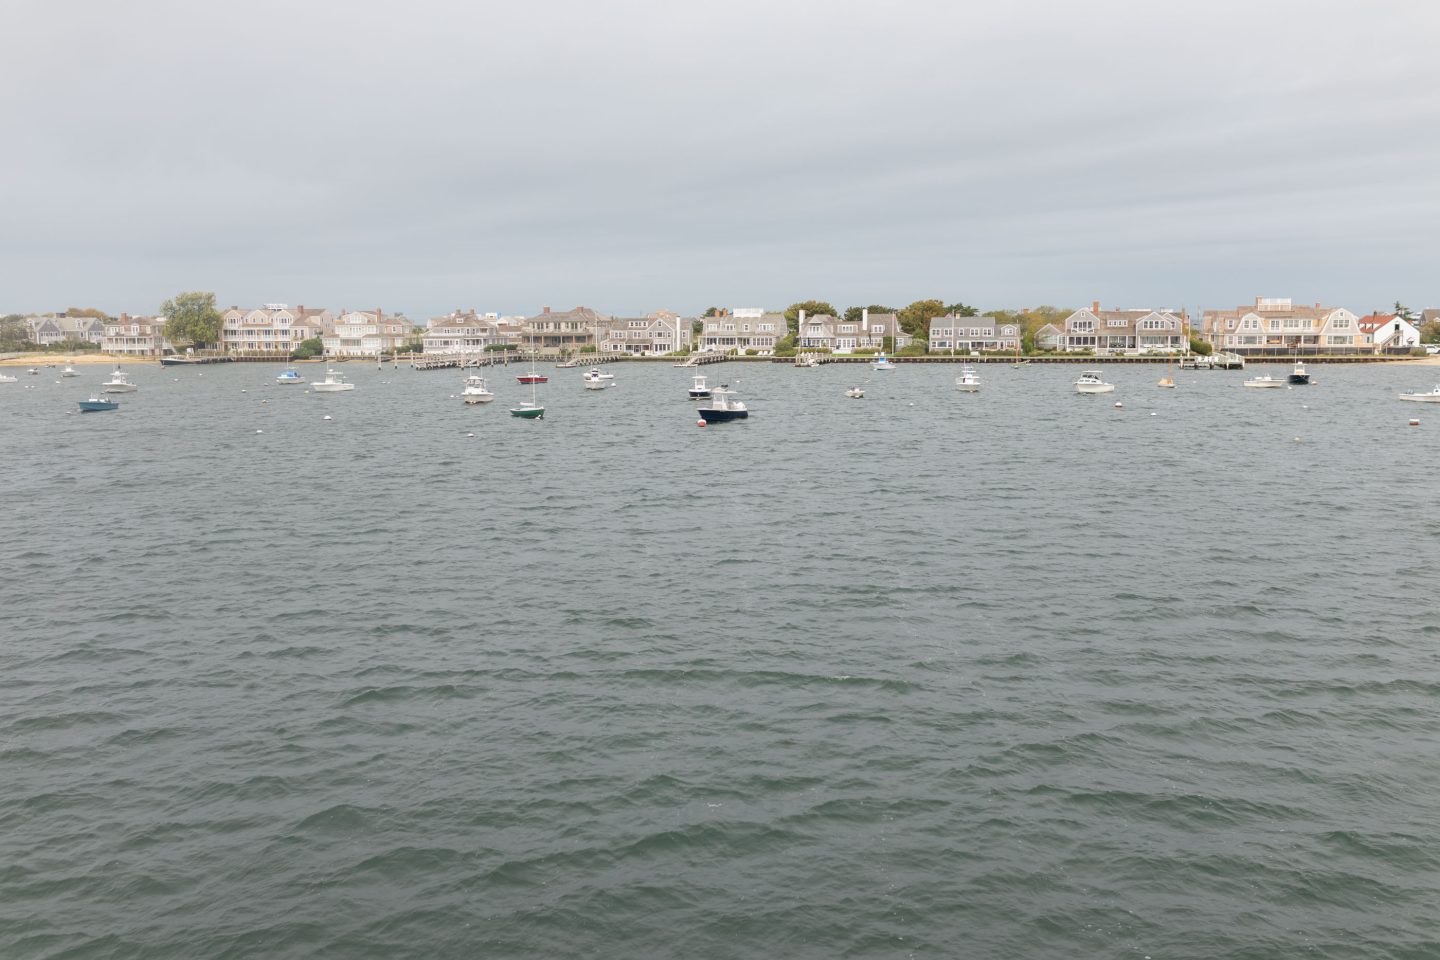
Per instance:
x=1389, y=331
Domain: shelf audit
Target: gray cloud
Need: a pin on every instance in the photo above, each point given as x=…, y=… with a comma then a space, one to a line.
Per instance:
x=632, y=156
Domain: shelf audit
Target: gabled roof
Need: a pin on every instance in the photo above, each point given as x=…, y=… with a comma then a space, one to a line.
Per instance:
x=1374, y=321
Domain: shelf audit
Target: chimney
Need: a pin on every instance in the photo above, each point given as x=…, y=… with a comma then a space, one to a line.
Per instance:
x=865, y=319
x=1094, y=306
x=801, y=321
x=544, y=309
x=1317, y=304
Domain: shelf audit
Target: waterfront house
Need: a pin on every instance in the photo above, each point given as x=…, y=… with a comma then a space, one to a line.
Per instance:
x=49, y=331
x=459, y=332
x=367, y=333
x=742, y=329
x=653, y=335
x=1278, y=325
x=966, y=334
x=567, y=331
x=1388, y=331
x=1111, y=332
x=837, y=335
x=135, y=336
x=272, y=328
x=1050, y=337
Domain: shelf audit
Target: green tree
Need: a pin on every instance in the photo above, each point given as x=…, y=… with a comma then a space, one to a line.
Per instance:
x=855, y=313
x=307, y=349
x=712, y=311
x=1200, y=346
x=811, y=308
x=191, y=319
x=1401, y=310
x=962, y=310
x=1430, y=332
x=915, y=319
x=88, y=312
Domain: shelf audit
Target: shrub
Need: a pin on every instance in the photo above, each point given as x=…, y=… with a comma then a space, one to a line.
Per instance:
x=1202, y=347
x=307, y=349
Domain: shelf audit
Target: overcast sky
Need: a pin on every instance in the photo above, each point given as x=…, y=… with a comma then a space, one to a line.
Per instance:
x=433, y=154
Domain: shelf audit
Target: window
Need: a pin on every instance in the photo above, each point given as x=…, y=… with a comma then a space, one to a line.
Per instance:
x=1112, y=322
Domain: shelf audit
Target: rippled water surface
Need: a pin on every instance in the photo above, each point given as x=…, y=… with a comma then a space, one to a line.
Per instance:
x=1017, y=674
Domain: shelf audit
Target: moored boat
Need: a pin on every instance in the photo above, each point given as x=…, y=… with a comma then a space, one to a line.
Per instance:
x=475, y=390
x=1091, y=382
x=96, y=405
x=968, y=381
x=698, y=389
x=5, y=379
x=119, y=382
x=1428, y=396
x=1298, y=376
x=722, y=408
x=334, y=382
x=593, y=380
x=882, y=362
x=69, y=371
x=855, y=393
x=1266, y=382
x=289, y=376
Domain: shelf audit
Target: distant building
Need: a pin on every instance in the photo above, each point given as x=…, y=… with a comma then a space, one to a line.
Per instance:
x=1109, y=332
x=741, y=329
x=564, y=332
x=135, y=336
x=273, y=328
x=838, y=335
x=467, y=332
x=367, y=333
x=964, y=334
x=49, y=331
x=1277, y=324
x=652, y=335
x=1389, y=331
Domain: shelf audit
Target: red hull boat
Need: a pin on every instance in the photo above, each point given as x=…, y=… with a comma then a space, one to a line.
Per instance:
x=533, y=378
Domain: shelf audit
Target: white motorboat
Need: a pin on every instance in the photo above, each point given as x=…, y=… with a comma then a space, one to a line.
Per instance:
x=69, y=371
x=475, y=390
x=808, y=360
x=568, y=364
x=1266, y=382
x=968, y=381
x=1298, y=376
x=1429, y=396
x=289, y=376
x=595, y=380
x=5, y=379
x=599, y=374
x=698, y=389
x=1091, y=382
x=334, y=382
x=855, y=393
x=33, y=371
x=119, y=382
x=882, y=362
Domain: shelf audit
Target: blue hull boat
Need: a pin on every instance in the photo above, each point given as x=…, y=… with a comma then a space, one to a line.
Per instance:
x=721, y=416
x=95, y=406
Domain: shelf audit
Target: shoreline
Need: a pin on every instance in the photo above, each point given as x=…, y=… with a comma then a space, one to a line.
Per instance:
x=88, y=359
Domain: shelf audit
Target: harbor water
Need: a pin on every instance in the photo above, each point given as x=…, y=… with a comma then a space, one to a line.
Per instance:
x=1010, y=674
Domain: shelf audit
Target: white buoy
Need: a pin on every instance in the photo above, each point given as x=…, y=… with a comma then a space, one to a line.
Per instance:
x=259, y=431
x=244, y=391
x=264, y=401
x=469, y=434
x=1154, y=414
x=1118, y=405
x=1414, y=422
x=326, y=417
x=699, y=423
